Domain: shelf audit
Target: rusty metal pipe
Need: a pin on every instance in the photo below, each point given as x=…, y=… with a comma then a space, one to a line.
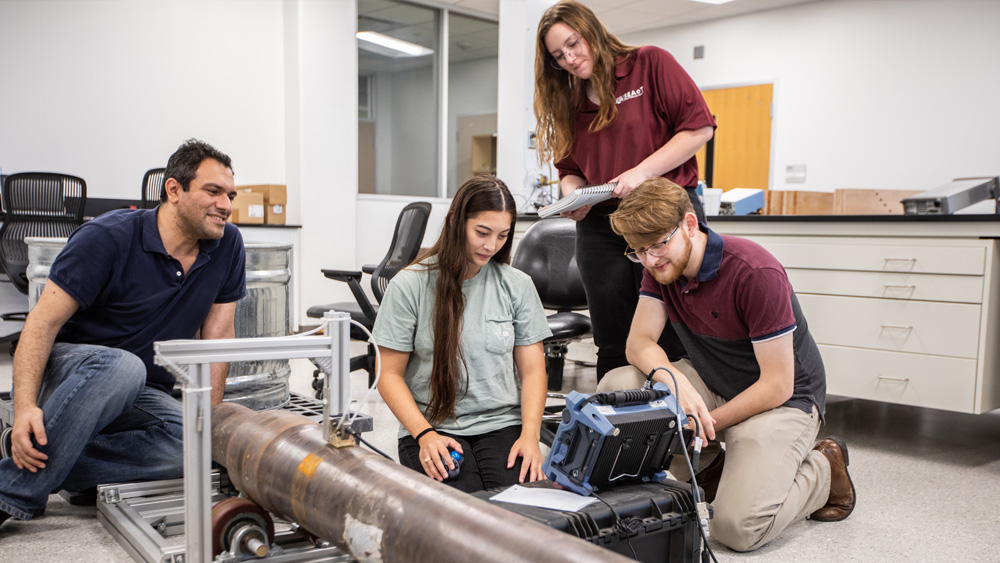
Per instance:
x=375, y=509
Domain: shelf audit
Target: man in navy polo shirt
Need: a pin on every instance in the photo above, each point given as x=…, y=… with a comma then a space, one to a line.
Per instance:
x=754, y=370
x=90, y=406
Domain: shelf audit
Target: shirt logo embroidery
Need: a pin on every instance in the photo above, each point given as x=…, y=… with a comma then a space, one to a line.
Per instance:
x=504, y=334
x=629, y=95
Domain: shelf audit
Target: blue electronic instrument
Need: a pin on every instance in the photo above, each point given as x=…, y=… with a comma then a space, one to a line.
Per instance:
x=741, y=201
x=610, y=438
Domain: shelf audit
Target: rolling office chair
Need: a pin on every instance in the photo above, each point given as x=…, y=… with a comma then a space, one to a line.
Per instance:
x=406, y=239
x=36, y=204
x=547, y=253
x=152, y=182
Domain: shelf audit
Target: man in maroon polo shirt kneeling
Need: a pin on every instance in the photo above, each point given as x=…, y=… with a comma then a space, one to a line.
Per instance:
x=753, y=370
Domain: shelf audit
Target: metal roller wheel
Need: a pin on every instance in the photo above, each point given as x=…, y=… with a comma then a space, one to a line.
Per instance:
x=241, y=527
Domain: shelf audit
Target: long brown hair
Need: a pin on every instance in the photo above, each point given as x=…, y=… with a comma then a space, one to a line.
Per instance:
x=479, y=194
x=558, y=93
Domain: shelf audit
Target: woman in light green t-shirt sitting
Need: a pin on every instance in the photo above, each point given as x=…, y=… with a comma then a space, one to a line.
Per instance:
x=460, y=336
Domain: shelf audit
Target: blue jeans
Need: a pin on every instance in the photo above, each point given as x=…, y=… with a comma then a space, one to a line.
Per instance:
x=103, y=426
x=484, y=465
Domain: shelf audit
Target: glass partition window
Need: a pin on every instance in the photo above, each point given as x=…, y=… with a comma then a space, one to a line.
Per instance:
x=406, y=78
x=397, y=44
x=472, y=98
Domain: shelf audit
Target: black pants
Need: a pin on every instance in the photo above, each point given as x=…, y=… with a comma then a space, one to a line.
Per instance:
x=485, y=459
x=612, y=283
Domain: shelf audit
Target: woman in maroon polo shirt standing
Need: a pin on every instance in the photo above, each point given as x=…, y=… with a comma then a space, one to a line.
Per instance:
x=610, y=112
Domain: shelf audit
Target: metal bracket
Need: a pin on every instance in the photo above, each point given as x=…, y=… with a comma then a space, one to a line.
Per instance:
x=112, y=496
x=339, y=439
x=190, y=361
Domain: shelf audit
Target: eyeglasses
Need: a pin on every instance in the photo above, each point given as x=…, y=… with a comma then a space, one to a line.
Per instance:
x=574, y=46
x=656, y=250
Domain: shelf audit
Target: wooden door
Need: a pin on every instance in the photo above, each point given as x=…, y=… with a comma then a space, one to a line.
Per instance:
x=473, y=129
x=742, y=142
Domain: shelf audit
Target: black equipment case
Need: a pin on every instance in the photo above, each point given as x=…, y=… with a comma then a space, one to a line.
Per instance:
x=658, y=521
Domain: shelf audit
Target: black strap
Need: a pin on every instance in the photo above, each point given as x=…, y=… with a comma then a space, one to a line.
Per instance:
x=652, y=372
x=421, y=435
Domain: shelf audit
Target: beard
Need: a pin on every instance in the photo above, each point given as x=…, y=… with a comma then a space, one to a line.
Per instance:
x=677, y=267
x=202, y=228
x=194, y=221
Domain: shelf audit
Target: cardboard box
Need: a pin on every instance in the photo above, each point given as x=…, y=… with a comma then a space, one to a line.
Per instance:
x=870, y=202
x=248, y=208
x=274, y=214
x=800, y=202
x=275, y=201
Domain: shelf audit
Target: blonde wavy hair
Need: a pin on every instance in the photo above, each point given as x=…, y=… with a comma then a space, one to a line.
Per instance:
x=558, y=93
x=652, y=207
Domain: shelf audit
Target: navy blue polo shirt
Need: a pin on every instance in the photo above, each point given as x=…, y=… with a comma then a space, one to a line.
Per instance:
x=741, y=296
x=132, y=293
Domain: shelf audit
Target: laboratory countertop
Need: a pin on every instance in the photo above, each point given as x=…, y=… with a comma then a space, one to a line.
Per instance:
x=957, y=218
x=969, y=218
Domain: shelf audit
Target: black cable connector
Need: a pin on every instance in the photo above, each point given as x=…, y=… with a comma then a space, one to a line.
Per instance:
x=694, y=483
x=626, y=397
x=367, y=443
x=623, y=526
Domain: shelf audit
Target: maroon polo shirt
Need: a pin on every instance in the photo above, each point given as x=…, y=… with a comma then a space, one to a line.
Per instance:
x=655, y=99
x=741, y=296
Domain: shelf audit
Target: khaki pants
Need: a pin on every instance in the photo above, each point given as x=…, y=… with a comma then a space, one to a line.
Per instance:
x=772, y=476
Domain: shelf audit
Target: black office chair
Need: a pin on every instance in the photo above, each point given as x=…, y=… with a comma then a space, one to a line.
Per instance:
x=410, y=227
x=36, y=204
x=152, y=182
x=547, y=253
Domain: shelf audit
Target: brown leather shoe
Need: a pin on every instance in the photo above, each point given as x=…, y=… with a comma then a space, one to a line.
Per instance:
x=708, y=478
x=842, y=498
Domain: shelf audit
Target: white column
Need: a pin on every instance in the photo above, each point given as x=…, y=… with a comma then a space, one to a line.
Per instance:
x=517, y=165
x=321, y=147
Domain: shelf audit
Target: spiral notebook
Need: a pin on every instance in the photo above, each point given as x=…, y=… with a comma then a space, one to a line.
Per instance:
x=584, y=195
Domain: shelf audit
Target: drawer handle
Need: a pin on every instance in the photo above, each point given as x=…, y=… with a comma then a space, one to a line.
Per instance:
x=899, y=379
x=897, y=327
x=898, y=286
x=900, y=259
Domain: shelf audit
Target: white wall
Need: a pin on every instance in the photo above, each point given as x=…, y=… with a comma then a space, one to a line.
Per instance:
x=516, y=163
x=889, y=94
x=106, y=90
x=325, y=160
x=895, y=93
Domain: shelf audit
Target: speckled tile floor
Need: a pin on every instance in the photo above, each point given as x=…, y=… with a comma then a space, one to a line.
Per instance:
x=928, y=486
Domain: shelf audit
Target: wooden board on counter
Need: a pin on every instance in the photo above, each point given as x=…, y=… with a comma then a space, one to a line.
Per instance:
x=795, y=202
x=870, y=202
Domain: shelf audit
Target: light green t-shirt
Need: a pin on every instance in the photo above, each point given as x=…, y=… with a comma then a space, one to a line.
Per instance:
x=502, y=310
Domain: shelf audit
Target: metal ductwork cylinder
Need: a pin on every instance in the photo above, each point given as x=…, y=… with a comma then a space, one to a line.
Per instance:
x=265, y=311
x=370, y=506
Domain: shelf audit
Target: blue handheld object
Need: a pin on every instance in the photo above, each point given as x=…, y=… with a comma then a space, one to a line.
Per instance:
x=457, y=458
x=610, y=438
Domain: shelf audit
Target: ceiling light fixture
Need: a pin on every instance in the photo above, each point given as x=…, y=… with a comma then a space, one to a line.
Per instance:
x=712, y=2
x=390, y=46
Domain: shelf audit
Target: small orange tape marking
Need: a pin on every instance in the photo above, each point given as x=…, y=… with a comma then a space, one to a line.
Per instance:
x=309, y=464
